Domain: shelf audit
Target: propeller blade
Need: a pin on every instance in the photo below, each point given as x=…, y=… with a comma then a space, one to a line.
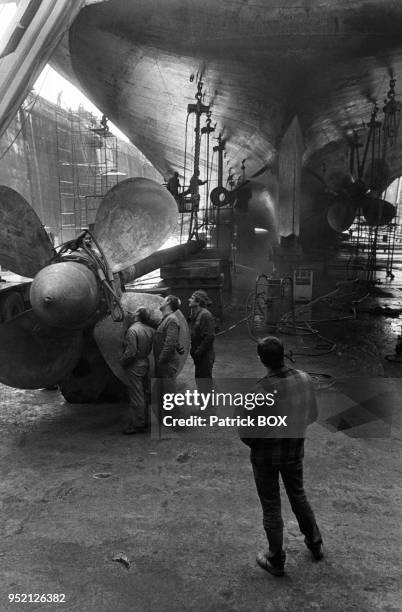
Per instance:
x=109, y=334
x=376, y=211
x=33, y=355
x=133, y=220
x=377, y=175
x=24, y=244
x=341, y=215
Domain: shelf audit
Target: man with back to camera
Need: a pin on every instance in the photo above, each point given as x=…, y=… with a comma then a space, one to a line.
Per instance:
x=270, y=456
x=137, y=346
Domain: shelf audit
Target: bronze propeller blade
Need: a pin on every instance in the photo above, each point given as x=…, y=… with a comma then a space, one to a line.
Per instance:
x=33, y=355
x=24, y=245
x=133, y=220
x=377, y=211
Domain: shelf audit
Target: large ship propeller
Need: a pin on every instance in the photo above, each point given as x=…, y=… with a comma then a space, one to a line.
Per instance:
x=78, y=285
x=344, y=196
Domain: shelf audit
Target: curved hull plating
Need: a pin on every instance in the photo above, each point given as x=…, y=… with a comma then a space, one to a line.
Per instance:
x=261, y=64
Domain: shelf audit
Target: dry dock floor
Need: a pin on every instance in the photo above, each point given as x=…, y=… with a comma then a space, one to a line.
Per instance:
x=182, y=513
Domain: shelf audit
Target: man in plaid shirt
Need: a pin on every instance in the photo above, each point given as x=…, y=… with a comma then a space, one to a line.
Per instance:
x=273, y=454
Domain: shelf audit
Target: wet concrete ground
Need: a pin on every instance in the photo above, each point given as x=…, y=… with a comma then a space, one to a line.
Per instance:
x=183, y=510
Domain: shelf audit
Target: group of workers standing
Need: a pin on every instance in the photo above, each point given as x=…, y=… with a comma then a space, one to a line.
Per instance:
x=141, y=338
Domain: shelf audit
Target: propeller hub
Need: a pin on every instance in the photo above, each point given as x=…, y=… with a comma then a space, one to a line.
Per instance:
x=65, y=294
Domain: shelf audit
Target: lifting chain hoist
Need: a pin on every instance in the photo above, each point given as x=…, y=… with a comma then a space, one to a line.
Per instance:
x=220, y=196
x=199, y=109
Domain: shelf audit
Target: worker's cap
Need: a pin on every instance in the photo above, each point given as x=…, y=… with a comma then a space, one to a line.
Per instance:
x=202, y=297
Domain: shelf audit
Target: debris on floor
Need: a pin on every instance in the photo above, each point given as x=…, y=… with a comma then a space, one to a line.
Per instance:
x=123, y=559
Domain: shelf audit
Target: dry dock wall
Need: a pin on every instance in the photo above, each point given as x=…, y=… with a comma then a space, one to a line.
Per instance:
x=36, y=150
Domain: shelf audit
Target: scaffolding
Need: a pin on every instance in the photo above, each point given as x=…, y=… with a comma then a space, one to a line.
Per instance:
x=374, y=249
x=87, y=161
x=376, y=229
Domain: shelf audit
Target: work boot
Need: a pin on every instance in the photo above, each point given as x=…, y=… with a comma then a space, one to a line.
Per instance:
x=316, y=549
x=276, y=568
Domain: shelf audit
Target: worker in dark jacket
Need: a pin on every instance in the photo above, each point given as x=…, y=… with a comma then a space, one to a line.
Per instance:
x=173, y=185
x=195, y=183
x=137, y=346
x=202, y=329
x=277, y=451
x=167, y=351
x=166, y=340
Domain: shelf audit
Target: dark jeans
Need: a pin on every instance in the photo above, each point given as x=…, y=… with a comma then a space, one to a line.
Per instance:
x=137, y=390
x=166, y=383
x=267, y=481
x=203, y=372
x=203, y=366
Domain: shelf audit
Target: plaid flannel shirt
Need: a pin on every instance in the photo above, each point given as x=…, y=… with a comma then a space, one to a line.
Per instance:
x=295, y=395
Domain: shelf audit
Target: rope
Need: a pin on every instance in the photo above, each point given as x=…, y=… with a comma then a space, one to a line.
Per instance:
x=225, y=331
x=289, y=325
x=100, y=267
